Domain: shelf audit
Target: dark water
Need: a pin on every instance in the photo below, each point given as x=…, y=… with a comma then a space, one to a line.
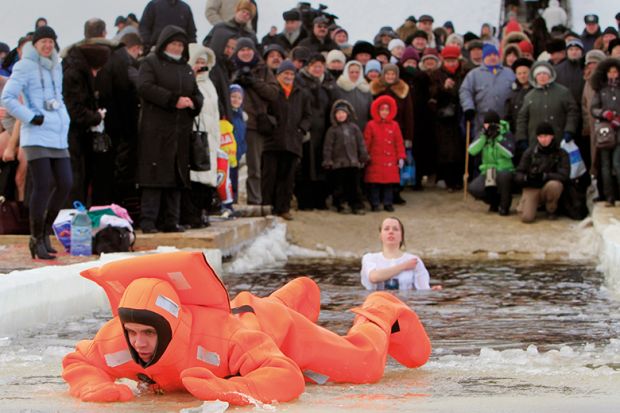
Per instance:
x=499, y=305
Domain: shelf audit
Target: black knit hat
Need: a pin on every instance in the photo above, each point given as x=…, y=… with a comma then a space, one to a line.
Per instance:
x=363, y=47
x=44, y=32
x=611, y=30
x=544, y=128
x=420, y=33
x=316, y=57
x=274, y=47
x=469, y=36
x=491, y=117
x=556, y=45
x=522, y=61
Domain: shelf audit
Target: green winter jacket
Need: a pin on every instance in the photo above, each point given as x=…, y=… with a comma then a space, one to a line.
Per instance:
x=494, y=152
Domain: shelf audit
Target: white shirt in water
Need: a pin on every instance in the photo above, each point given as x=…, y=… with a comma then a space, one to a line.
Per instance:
x=417, y=278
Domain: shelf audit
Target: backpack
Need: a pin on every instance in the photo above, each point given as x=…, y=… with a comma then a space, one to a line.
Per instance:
x=113, y=239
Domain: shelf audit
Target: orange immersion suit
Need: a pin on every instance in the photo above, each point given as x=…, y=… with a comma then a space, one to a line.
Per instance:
x=262, y=348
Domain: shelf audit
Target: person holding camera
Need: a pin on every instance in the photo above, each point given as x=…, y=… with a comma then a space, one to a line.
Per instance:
x=543, y=172
x=43, y=134
x=494, y=184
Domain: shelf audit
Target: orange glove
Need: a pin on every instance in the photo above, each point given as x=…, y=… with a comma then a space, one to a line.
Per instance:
x=205, y=385
x=106, y=392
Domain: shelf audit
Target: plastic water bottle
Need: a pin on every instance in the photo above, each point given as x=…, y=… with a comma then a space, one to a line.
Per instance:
x=81, y=232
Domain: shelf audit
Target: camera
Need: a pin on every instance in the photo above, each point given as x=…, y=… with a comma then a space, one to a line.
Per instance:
x=203, y=69
x=493, y=131
x=51, y=105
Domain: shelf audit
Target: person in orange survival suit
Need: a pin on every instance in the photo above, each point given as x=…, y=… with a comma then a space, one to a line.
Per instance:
x=175, y=330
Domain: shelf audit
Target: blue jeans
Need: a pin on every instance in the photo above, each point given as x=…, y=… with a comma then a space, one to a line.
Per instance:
x=610, y=160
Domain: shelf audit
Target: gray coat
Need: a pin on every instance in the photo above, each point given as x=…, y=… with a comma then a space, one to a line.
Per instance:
x=553, y=103
x=344, y=145
x=484, y=91
x=357, y=94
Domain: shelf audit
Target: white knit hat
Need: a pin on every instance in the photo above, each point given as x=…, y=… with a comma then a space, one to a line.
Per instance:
x=395, y=43
x=541, y=69
x=335, y=56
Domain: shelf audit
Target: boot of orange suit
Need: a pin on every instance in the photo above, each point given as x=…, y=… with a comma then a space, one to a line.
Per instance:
x=409, y=343
x=302, y=295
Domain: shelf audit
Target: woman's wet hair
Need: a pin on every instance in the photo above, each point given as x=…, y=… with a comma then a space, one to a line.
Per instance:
x=402, y=230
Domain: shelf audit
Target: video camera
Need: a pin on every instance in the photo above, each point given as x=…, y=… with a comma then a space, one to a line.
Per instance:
x=308, y=14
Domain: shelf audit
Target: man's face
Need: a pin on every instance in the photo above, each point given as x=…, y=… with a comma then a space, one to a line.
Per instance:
x=430, y=64
x=491, y=59
x=557, y=57
x=320, y=30
x=574, y=53
x=591, y=28
x=135, y=51
x=545, y=140
x=287, y=77
x=274, y=58
x=522, y=74
x=420, y=43
x=476, y=55
x=316, y=69
x=143, y=339
x=291, y=26
x=426, y=25
x=363, y=58
x=243, y=16
x=245, y=54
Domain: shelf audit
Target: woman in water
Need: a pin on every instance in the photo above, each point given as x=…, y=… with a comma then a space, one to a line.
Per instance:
x=393, y=269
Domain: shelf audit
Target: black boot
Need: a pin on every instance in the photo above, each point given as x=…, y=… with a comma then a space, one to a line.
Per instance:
x=37, y=245
x=50, y=216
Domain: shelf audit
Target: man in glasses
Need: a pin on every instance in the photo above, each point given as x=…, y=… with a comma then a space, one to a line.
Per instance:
x=319, y=41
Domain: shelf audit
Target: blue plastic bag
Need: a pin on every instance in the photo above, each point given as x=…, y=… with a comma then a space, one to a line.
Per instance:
x=407, y=173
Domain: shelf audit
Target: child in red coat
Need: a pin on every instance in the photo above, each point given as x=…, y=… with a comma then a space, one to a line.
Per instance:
x=384, y=142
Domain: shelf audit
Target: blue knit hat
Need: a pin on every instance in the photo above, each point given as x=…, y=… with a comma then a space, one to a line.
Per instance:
x=372, y=65
x=235, y=88
x=488, y=49
x=286, y=65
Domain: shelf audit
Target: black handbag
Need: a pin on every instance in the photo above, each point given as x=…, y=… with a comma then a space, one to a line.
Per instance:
x=199, y=150
x=102, y=142
x=266, y=124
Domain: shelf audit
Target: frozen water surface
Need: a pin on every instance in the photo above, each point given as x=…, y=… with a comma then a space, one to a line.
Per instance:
x=516, y=338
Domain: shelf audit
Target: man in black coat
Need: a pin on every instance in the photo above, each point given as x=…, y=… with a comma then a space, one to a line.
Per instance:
x=118, y=80
x=236, y=27
x=293, y=32
x=81, y=64
x=161, y=13
x=283, y=149
x=543, y=172
x=170, y=102
x=319, y=40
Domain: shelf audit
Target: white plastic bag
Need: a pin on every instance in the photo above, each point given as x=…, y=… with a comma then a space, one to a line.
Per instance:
x=577, y=166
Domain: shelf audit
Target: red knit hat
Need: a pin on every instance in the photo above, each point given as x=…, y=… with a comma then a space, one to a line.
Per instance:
x=513, y=26
x=451, y=52
x=526, y=47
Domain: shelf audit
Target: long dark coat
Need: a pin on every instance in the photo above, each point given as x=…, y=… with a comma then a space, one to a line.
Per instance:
x=163, y=142
x=321, y=92
x=447, y=115
x=293, y=116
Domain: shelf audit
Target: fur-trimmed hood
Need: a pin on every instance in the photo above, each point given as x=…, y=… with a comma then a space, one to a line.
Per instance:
x=599, y=77
x=197, y=51
x=345, y=83
x=342, y=104
x=514, y=37
x=548, y=66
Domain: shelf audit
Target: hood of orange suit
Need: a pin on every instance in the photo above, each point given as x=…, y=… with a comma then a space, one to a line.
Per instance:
x=153, y=302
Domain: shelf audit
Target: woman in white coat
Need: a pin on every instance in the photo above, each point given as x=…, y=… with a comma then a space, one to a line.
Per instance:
x=195, y=204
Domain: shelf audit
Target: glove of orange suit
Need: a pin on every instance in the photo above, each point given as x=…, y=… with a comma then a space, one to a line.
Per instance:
x=205, y=385
x=106, y=392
